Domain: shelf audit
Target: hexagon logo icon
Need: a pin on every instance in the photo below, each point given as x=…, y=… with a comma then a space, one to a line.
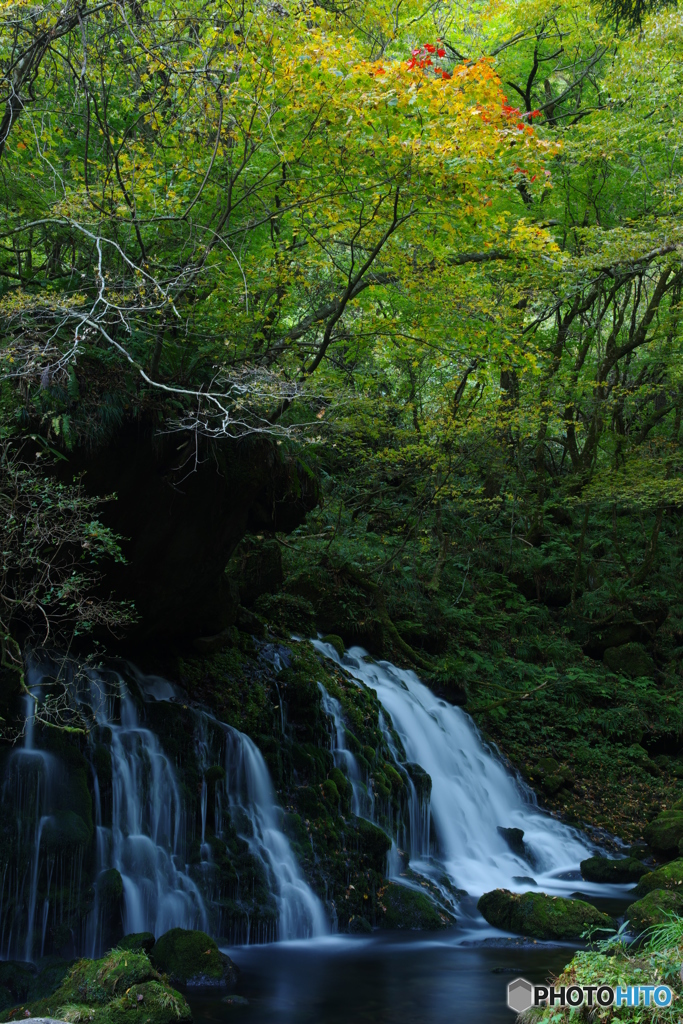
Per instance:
x=520, y=995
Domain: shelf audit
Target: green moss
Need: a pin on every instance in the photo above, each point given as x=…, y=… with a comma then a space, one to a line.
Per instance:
x=656, y=908
x=186, y=955
x=151, y=1002
x=335, y=641
x=331, y=793
x=602, y=869
x=540, y=916
x=665, y=832
x=407, y=908
x=670, y=876
x=374, y=843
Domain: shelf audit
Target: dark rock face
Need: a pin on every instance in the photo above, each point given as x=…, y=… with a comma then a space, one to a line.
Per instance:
x=540, y=916
x=514, y=837
x=182, y=513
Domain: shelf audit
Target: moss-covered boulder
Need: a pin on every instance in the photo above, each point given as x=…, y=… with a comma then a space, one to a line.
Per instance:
x=655, y=908
x=409, y=909
x=631, y=659
x=138, y=942
x=665, y=832
x=121, y=988
x=192, y=958
x=540, y=916
x=602, y=869
x=670, y=876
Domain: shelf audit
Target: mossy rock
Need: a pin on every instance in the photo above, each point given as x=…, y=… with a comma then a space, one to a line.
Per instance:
x=108, y=991
x=110, y=887
x=374, y=843
x=655, y=908
x=551, y=775
x=540, y=916
x=335, y=641
x=151, y=1002
x=630, y=659
x=421, y=779
x=409, y=909
x=602, y=869
x=670, y=876
x=331, y=793
x=138, y=942
x=192, y=958
x=64, y=831
x=665, y=832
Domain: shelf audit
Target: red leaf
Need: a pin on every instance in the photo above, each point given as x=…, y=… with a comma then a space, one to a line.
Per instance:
x=535, y=113
x=445, y=74
x=429, y=48
x=533, y=178
x=441, y=53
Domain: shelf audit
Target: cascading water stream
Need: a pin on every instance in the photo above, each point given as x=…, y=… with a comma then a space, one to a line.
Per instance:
x=472, y=793
x=362, y=801
x=145, y=842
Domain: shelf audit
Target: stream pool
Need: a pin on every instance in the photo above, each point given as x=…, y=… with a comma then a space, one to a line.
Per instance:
x=379, y=980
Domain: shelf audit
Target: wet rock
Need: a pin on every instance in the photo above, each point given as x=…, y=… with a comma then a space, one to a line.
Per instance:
x=602, y=869
x=409, y=909
x=359, y=925
x=670, y=876
x=630, y=659
x=655, y=908
x=374, y=843
x=192, y=958
x=540, y=916
x=665, y=832
x=524, y=880
x=421, y=779
x=514, y=837
x=235, y=1000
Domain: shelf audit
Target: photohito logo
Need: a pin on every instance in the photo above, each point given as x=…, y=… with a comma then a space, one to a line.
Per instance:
x=522, y=995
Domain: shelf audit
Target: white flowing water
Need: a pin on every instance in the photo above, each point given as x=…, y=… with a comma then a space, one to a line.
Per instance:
x=362, y=802
x=472, y=794
x=145, y=842
x=250, y=796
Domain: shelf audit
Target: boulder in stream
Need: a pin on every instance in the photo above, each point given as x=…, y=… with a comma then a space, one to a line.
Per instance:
x=602, y=869
x=540, y=916
x=407, y=908
x=191, y=958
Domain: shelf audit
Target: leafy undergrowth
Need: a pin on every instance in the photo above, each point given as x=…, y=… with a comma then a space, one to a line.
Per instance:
x=654, y=960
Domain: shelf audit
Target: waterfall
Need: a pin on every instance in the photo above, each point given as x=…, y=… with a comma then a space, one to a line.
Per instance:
x=362, y=801
x=250, y=793
x=146, y=840
x=141, y=827
x=472, y=793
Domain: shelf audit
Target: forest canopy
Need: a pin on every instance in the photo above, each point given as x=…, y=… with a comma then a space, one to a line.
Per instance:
x=431, y=249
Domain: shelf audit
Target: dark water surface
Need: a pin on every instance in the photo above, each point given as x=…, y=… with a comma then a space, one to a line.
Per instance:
x=378, y=980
